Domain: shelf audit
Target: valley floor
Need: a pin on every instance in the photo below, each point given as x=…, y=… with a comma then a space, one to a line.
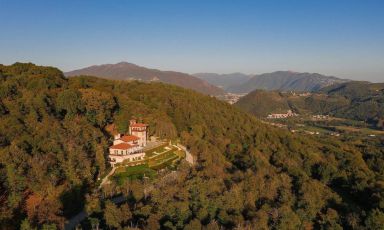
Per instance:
x=329, y=126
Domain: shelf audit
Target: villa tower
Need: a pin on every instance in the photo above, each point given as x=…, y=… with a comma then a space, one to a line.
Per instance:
x=139, y=130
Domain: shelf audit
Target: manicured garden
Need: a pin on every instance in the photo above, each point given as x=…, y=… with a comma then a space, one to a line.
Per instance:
x=162, y=159
x=159, y=149
x=133, y=173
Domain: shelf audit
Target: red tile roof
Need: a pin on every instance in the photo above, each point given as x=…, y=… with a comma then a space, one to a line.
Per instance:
x=122, y=146
x=129, y=138
x=139, y=125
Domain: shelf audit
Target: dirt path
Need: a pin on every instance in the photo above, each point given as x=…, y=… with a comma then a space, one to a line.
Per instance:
x=106, y=178
x=188, y=155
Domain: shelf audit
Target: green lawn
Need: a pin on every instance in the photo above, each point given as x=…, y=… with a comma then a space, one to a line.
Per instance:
x=158, y=149
x=180, y=153
x=133, y=173
x=166, y=162
x=165, y=159
x=153, y=163
x=158, y=158
x=313, y=129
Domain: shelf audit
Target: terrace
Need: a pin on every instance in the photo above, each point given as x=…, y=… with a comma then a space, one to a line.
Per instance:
x=160, y=156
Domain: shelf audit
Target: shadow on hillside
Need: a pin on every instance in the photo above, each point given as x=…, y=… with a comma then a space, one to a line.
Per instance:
x=73, y=200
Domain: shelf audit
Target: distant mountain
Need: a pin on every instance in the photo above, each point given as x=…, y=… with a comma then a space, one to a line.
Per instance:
x=128, y=71
x=354, y=100
x=224, y=81
x=285, y=81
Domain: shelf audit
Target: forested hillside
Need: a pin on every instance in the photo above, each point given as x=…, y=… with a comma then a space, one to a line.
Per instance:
x=362, y=101
x=366, y=101
x=286, y=80
x=53, y=148
x=262, y=102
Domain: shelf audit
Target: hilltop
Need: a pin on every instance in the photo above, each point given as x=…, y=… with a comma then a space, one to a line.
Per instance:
x=53, y=148
x=286, y=81
x=128, y=71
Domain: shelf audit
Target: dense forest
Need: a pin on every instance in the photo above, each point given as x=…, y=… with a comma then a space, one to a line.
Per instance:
x=361, y=101
x=53, y=147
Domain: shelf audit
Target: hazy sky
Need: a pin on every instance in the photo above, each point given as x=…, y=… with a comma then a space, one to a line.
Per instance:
x=344, y=38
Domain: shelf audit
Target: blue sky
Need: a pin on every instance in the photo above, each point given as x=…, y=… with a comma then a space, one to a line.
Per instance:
x=344, y=38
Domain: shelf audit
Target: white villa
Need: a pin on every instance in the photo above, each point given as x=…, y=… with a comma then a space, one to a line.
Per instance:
x=128, y=146
x=282, y=115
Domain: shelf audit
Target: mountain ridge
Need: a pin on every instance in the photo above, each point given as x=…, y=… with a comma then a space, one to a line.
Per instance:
x=286, y=81
x=130, y=71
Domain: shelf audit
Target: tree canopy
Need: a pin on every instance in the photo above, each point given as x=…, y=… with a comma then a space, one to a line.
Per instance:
x=53, y=147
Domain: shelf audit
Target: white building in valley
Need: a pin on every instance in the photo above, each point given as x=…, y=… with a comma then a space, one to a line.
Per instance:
x=128, y=147
x=282, y=115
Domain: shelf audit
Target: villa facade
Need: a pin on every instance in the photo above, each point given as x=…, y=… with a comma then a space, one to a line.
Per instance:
x=129, y=147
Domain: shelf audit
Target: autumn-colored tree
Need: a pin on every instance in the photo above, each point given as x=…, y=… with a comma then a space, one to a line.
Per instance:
x=112, y=215
x=69, y=102
x=375, y=220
